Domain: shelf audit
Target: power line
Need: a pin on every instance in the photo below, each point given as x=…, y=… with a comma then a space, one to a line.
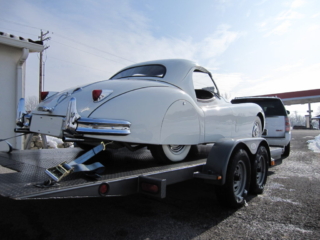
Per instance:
x=93, y=47
x=20, y=24
x=18, y=31
x=70, y=39
x=85, y=51
x=77, y=64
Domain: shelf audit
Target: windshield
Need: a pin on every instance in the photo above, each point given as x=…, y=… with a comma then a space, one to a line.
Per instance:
x=142, y=71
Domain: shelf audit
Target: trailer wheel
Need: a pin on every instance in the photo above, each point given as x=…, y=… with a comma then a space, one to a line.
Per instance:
x=259, y=171
x=169, y=153
x=235, y=189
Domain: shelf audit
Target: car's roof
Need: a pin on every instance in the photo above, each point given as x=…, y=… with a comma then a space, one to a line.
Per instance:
x=176, y=69
x=255, y=98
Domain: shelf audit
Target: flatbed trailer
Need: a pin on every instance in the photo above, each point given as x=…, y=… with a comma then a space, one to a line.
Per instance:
x=126, y=172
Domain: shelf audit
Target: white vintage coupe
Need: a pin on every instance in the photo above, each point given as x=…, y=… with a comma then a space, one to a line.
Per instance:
x=166, y=105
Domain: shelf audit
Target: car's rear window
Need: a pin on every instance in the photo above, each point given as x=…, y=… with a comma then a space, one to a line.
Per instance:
x=142, y=71
x=271, y=107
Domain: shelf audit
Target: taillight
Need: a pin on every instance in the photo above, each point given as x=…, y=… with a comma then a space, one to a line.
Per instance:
x=44, y=95
x=149, y=187
x=287, y=122
x=99, y=94
x=96, y=94
x=103, y=189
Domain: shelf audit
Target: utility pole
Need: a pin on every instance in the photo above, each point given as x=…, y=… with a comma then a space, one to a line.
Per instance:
x=42, y=38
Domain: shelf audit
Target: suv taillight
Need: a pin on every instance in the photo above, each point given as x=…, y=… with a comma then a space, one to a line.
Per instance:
x=287, y=122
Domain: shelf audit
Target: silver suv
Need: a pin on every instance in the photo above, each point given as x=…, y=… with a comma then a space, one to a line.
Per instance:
x=277, y=127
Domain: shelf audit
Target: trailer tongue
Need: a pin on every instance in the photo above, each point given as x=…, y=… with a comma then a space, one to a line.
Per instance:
x=128, y=172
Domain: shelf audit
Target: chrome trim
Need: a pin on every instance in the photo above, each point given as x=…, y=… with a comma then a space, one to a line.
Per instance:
x=74, y=125
x=45, y=109
x=72, y=116
x=101, y=121
x=23, y=118
x=21, y=111
x=105, y=131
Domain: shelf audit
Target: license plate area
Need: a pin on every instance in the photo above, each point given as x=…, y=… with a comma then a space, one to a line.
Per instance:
x=47, y=125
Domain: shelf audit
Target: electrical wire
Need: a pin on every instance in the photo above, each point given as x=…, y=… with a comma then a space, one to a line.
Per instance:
x=59, y=35
x=77, y=64
x=85, y=51
x=91, y=47
x=20, y=24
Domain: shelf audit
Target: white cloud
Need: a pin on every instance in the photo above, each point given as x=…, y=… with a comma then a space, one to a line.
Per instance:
x=280, y=29
x=217, y=43
x=289, y=14
x=297, y=3
x=297, y=79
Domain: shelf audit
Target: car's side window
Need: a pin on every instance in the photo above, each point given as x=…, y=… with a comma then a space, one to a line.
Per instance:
x=203, y=85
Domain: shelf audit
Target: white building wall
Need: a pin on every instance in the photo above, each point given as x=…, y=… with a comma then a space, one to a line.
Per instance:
x=9, y=58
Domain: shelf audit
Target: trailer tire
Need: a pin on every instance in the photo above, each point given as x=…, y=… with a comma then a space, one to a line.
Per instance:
x=259, y=171
x=236, y=187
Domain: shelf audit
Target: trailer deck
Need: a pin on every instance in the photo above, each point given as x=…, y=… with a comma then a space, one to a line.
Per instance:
x=20, y=171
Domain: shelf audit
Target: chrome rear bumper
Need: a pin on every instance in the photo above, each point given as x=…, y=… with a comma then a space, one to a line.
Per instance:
x=74, y=126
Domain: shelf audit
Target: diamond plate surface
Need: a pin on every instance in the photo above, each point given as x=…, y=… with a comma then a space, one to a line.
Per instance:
x=120, y=164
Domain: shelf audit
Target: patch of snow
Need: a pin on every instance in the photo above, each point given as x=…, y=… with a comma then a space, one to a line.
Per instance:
x=314, y=145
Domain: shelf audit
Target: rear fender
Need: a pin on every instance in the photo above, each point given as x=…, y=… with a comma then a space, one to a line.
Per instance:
x=145, y=109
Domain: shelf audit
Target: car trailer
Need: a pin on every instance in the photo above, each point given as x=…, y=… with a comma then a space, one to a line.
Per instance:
x=231, y=165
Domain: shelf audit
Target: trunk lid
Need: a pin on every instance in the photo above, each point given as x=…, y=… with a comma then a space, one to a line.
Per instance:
x=85, y=104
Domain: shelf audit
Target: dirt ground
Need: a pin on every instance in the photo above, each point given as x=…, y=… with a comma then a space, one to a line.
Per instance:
x=288, y=209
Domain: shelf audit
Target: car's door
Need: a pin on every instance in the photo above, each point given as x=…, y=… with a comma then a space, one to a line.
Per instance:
x=219, y=118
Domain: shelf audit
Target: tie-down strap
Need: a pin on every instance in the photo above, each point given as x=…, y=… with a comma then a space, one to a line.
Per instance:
x=63, y=169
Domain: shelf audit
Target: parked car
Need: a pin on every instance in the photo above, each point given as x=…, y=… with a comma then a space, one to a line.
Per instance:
x=277, y=129
x=166, y=105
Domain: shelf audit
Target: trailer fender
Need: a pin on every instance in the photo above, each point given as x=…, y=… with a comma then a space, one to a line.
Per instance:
x=221, y=153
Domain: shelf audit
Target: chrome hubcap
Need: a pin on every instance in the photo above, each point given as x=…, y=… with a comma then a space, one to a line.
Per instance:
x=176, y=148
x=256, y=130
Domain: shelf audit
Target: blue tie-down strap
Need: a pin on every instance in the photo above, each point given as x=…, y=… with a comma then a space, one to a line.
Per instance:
x=60, y=171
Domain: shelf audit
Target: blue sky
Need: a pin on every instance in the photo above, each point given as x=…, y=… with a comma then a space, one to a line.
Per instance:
x=251, y=46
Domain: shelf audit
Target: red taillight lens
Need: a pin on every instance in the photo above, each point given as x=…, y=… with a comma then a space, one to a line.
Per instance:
x=103, y=189
x=287, y=124
x=148, y=187
x=44, y=95
x=96, y=94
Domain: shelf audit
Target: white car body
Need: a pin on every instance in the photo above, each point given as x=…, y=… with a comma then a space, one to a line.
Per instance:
x=149, y=110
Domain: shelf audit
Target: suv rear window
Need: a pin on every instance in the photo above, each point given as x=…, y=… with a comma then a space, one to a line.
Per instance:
x=142, y=71
x=271, y=107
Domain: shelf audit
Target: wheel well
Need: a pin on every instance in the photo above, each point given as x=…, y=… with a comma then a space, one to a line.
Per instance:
x=262, y=120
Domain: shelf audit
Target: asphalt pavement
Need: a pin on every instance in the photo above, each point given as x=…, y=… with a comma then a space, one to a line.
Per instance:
x=288, y=209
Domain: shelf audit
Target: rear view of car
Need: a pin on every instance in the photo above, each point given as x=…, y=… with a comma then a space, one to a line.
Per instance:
x=277, y=128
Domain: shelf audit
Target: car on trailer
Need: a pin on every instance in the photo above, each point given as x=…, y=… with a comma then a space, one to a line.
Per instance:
x=165, y=105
